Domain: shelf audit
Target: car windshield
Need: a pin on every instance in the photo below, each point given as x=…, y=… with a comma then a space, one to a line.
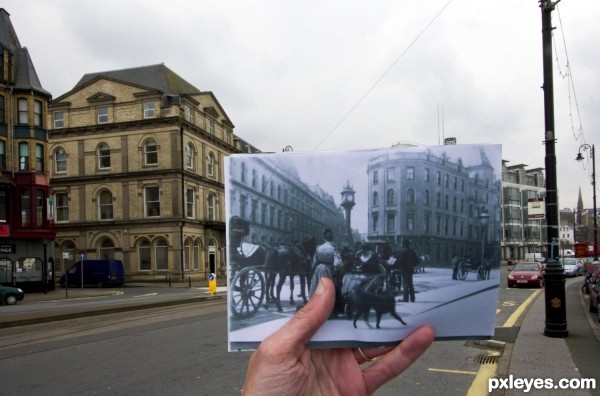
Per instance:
x=527, y=267
x=569, y=261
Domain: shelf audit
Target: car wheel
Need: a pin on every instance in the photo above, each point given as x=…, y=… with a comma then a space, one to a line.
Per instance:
x=10, y=299
x=100, y=284
x=541, y=283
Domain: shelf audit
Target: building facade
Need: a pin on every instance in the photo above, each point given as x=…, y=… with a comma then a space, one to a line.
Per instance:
x=436, y=202
x=520, y=233
x=136, y=163
x=278, y=205
x=26, y=229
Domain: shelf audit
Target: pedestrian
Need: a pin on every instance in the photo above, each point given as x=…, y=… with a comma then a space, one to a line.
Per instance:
x=325, y=260
x=455, y=262
x=407, y=261
x=284, y=365
x=369, y=260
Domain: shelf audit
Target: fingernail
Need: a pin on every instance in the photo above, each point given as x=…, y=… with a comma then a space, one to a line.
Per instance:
x=320, y=287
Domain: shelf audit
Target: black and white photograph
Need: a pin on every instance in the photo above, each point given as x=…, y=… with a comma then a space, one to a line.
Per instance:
x=409, y=235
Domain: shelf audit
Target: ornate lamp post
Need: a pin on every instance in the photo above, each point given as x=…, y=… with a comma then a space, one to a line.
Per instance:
x=348, y=203
x=580, y=157
x=484, y=218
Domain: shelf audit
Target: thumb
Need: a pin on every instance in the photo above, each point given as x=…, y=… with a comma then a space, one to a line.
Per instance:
x=299, y=330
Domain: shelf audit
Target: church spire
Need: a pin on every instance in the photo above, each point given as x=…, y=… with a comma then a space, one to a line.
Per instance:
x=579, y=202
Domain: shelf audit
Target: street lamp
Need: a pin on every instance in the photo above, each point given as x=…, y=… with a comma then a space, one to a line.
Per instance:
x=580, y=157
x=484, y=217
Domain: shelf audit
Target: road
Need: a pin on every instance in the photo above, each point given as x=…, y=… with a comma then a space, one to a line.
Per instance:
x=182, y=350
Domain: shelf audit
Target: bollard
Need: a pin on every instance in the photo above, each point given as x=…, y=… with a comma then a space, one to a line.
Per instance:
x=169, y=280
x=189, y=281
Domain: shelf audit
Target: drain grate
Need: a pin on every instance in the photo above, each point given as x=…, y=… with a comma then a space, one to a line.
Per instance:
x=486, y=359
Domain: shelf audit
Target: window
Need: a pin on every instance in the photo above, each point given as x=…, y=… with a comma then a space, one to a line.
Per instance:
x=2, y=104
x=187, y=114
x=210, y=164
x=23, y=113
x=410, y=196
x=104, y=156
x=37, y=113
x=152, y=201
x=227, y=135
x=190, y=195
x=145, y=255
x=150, y=152
x=25, y=208
x=390, y=197
x=149, y=109
x=60, y=160
x=59, y=119
x=196, y=255
x=375, y=222
x=23, y=156
x=2, y=155
x=162, y=255
x=102, y=115
x=427, y=198
x=40, y=207
x=410, y=221
x=210, y=126
x=375, y=198
x=189, y=156
x=391, y=223
x=62, y=206
x=427, y=174
x=105, y=205
x=3, y=206
x=375, y=176
x=106, y=249
x=410, y=173
x=39, y=158
x=391, y=174
x=211, y=207
x=438, y=178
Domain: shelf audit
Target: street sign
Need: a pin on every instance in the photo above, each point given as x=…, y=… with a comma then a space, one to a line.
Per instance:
x=536, y=208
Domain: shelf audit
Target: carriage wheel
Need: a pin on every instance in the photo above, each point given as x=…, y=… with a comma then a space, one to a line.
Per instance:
x=463, y=271
x=247, y=292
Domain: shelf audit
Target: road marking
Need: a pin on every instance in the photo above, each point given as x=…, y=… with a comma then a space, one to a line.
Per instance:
x=510, y=322
x=146, y=295
x=453, y=371
x=480, y=383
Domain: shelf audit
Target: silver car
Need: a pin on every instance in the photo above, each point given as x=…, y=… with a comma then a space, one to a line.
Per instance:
x=570, y=266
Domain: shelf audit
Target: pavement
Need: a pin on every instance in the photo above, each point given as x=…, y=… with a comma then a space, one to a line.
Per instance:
x=525, y=352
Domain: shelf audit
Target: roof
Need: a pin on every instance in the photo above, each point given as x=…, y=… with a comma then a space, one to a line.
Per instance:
x=26, y=77
x=157, y=77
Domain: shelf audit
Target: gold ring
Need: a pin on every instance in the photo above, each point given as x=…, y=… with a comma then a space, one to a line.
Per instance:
x=364, y=356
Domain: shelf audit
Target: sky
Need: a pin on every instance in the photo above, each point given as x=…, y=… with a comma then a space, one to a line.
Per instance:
x=347, y=74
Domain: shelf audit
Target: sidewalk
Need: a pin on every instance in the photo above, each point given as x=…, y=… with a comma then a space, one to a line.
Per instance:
x=534, y=355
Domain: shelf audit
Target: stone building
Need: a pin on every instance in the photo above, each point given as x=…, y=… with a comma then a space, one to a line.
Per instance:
x=438, y=203
x=26, y=229
x=136, y=164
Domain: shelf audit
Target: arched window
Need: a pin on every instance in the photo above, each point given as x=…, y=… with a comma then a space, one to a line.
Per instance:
x=103, y=156
x=106, y=249
x=391, y=197
x=196, y=255
x=60, y=160
x=145, y=256
x=187, y=255
x=150, y=152
x=105, y=205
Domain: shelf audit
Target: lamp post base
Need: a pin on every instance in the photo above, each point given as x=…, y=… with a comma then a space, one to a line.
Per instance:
x=554, y=293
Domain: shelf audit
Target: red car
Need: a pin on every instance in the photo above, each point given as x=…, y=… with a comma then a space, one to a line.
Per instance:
x=529, y=273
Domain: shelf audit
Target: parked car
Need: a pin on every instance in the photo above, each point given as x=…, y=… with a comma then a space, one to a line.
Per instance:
x=10, y=295
x=526, y=273
x=570, y=266
x=95, y=272
x=590, y=269
x=594, y=287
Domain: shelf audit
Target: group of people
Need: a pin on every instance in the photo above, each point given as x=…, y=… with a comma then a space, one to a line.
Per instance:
x=329, y=263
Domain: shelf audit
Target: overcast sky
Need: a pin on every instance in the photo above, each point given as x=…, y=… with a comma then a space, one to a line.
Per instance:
x=339, y=75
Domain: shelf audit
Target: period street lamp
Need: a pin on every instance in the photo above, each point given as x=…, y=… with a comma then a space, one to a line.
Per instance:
x=580, y=157
x=484, y=217
x=348, y=203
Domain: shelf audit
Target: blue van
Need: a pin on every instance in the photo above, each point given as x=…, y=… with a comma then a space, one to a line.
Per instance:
x=95, y=272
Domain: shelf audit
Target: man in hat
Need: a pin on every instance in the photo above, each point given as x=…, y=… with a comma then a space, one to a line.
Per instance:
x=407, y=261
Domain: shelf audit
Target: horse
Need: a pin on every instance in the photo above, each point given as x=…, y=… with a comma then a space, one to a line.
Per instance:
x=286, y=261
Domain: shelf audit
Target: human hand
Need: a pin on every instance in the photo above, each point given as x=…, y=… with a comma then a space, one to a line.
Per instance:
x=283, y=365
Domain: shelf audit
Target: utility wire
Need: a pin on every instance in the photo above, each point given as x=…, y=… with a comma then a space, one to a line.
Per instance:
x=382, y=76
